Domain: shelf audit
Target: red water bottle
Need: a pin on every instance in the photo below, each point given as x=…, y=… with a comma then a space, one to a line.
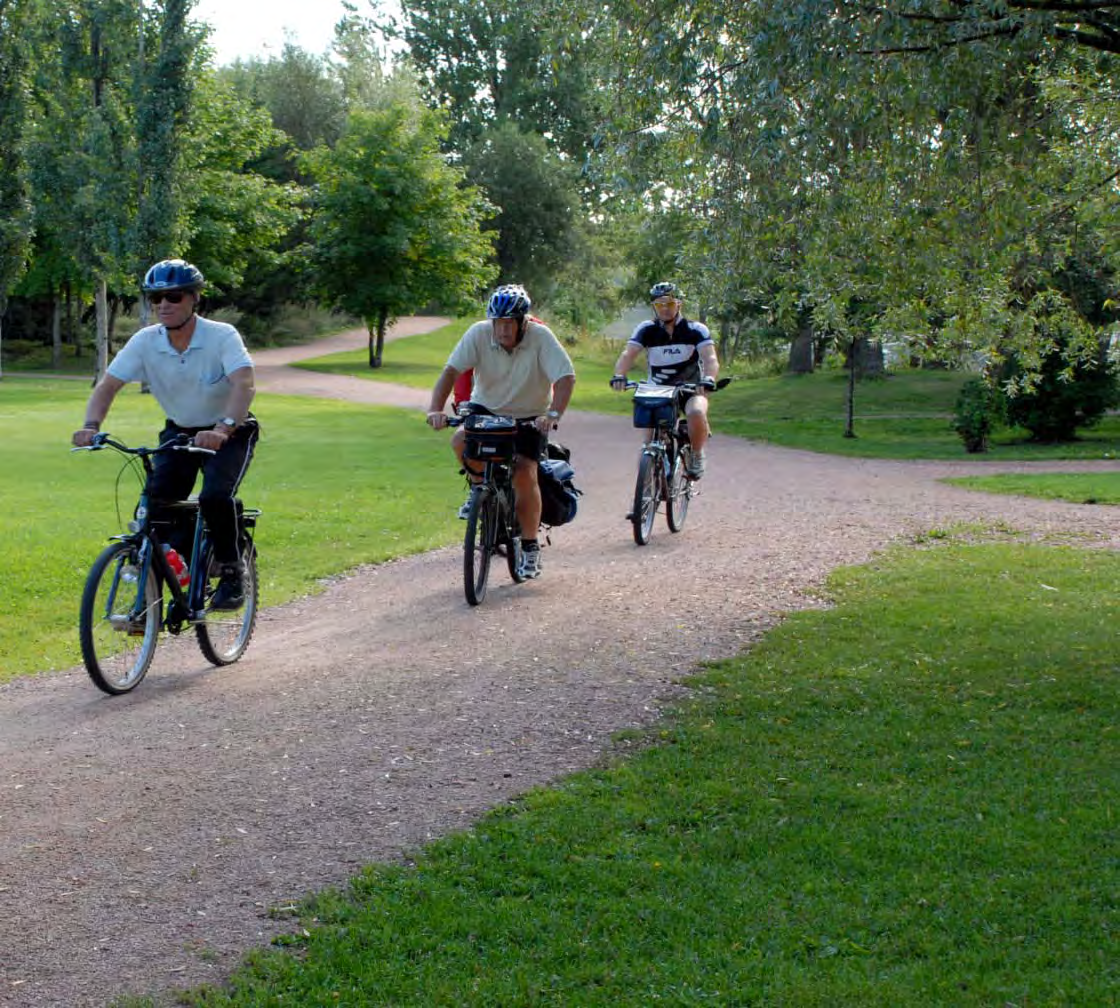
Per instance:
x=178, y=565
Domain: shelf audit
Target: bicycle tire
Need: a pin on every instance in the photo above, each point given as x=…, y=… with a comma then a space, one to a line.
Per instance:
x=224, y=635
x=680, y=492
x=478, y=544
x=647, y=492
x=117, y=647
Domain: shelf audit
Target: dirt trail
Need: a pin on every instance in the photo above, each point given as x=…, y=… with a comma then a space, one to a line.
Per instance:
x=144, y=840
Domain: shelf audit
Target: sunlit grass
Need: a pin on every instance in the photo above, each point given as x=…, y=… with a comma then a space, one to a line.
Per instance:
x=1080, y=488
x=901, y=800
x=339, y=484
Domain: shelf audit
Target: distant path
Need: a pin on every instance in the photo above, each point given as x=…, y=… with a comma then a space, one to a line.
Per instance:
x=275, y=375
x=146, y=842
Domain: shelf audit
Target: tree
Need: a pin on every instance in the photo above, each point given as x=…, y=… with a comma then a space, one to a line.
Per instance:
x=537, y=201
x=15, y=215
x=394, y=227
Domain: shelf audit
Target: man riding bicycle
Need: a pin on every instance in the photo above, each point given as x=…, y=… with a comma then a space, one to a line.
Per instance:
x=202, y=376
x=520, y=370
x=678, y=352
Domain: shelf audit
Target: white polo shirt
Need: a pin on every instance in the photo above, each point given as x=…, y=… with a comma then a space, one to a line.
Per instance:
x=192, y=387
x=515, y=383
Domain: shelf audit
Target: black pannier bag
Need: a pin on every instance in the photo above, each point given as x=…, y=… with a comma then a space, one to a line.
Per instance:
x=489, y=438
x=559, y=494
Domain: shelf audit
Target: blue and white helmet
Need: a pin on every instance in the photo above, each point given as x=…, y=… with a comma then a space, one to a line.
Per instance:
x=509, y=301
x=172, y=275
x=665, y=289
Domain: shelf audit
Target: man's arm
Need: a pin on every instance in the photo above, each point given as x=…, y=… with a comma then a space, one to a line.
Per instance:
x=97, y=409
x=444, y=384
x=242, y=389
x=710, y=361
x=626, y=359
x=562, y=393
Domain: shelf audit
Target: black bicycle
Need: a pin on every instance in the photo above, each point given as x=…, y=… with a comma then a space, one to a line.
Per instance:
x=665, y=456
x=123, y=606
x=492, y=526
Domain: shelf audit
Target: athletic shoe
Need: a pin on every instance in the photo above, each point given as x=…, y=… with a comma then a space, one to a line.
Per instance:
x=696, y=464
x=530, y=563
x=230, y=593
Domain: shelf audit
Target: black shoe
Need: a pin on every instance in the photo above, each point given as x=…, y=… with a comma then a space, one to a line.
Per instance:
x=230, y=593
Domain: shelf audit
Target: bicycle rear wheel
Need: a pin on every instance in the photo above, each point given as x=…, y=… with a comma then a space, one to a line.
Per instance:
x=647, y=492
x=478, y=544
x=225, y=635
x=680, y=492
x=118, y=628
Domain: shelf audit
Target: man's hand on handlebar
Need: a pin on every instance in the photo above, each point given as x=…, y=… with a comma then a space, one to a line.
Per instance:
x=211, y=440
x=618, y=382
x=437, y=420
x=83, y=437
x=707, y=384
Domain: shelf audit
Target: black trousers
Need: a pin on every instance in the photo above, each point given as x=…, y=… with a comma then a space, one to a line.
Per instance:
x=174, y=477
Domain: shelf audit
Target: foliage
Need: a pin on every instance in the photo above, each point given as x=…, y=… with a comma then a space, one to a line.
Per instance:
x=899, y=829
x=15, y=210
x=394, y=226
x=536, y=199
x=975, y=414
x=1062, y=397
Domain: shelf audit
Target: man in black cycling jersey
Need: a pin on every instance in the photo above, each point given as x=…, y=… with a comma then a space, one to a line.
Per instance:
x=678, y=352
x=520, y=370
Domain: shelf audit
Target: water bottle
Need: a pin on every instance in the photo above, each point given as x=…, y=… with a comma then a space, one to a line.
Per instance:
x=178, y=565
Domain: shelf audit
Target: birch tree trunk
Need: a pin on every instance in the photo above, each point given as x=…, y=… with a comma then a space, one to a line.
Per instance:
x=102, y=303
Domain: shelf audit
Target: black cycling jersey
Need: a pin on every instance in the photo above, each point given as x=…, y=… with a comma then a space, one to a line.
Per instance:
x=672, y=359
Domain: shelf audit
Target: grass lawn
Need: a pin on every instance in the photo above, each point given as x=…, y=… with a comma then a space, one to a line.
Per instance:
x=1081, y=488
x=905, y=799
x=905, y=415
x=386, y=487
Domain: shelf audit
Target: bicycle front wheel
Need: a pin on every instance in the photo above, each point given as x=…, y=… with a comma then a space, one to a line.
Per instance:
x=225, y=634
x=479, y=543
x=647, y=492
x=680, y=493
x=118, y=626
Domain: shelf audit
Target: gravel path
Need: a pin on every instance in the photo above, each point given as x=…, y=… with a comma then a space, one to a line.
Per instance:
x=144, y=840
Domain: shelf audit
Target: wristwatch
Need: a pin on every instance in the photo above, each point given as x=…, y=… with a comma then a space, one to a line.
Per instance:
x=553, y=414
x=228, y=421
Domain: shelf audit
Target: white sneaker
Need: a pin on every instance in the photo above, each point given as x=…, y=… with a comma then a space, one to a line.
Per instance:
x=697, y=463
x=465, y=507
x=530, y=564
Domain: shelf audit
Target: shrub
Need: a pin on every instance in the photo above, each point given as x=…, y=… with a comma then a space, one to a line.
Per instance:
x=1065, y=397
x=976, y=414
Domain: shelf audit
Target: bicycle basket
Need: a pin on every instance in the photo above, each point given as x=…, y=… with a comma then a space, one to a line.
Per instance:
x=490, y=438
x=654, y=405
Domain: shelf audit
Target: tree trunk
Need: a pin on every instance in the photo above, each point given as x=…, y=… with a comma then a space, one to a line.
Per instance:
x=377, y=338
x=102, y=312
x=868, y=357
x=850, y=424
x=801, y=351
x=56, y=330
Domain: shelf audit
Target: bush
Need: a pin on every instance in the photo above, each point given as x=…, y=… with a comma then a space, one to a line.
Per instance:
x=1064, y=400
x=976, y=414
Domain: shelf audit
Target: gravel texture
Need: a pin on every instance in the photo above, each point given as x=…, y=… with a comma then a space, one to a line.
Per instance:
x=146, y=842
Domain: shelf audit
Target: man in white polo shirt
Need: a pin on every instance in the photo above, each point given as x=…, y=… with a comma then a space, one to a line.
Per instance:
x=202, y=377
x=520, y=370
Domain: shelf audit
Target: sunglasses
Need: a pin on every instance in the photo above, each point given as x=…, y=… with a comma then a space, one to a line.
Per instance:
x=666, y=303
x=171, y=297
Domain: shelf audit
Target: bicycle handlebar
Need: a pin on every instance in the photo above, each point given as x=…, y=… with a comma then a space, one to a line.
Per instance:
x=689, y=387
x=102, y=439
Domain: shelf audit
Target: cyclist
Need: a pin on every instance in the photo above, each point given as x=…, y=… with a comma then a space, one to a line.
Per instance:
x=678, y=351
x=202, y=377
x=520, y=370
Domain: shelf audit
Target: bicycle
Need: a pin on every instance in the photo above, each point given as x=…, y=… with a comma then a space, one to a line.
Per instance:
x=665, y=456
x=492, y=525
x=122, y=609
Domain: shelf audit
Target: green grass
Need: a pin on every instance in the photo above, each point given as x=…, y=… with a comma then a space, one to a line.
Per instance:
x=906, y=799
x=903, y=416
x=1080, y=488
x=340, y=485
